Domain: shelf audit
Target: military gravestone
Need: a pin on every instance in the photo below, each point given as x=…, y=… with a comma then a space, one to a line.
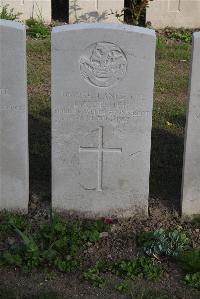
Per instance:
x=191, y=170
x=95, y=11
x=13, y=117
x=30, y=8
x=102, y=90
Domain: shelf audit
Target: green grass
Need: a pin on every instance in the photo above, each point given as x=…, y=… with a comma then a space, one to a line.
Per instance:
x=170, y=94
x=39, y=73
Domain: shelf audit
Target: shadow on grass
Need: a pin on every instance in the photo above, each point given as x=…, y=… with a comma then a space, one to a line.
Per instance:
x=40, y=153
x=166, y=166
x=178, y=120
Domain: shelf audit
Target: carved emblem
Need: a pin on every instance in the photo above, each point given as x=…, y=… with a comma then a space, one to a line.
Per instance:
x=103, y=64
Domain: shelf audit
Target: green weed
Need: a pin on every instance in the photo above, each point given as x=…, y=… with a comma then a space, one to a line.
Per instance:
x=164, y=243
x=37, y=29
x=140, y=267
x=193, y=280
x=8, y=13
x=92, y=231
x=178, y=34
x=56, y=244
x=123, y=286
x=93, y=276
x=8, y=220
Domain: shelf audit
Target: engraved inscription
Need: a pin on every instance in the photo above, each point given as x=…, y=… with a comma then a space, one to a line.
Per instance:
x=8, y=107
x=104, y=95
x=174, y=5
x=3, y=91
x=100, y=150
x=112, y=111
x=103, y=64
x=11, y=108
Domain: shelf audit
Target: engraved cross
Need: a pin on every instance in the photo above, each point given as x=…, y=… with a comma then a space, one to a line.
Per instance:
x=100, y=150
x=174, y=5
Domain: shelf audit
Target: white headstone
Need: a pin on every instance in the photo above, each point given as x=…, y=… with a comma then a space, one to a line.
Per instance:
x=191, y=170
x=173, y=13
x=102, y=91
x=30, y=8
x=95, y=10
x=13, y=117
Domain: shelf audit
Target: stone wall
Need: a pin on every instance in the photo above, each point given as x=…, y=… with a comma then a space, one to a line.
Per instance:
x=31, y=8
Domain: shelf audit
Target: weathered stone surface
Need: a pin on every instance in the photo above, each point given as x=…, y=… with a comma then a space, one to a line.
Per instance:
x=94, y=10
x=173, y=13
x=102, y=90
x=191, y=170
x=13, y=117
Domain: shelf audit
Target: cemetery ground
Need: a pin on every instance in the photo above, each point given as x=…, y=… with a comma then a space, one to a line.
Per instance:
x=125, y=258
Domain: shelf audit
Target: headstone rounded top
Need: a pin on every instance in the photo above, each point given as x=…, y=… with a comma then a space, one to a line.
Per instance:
x=12, y=24
x=196, y=34
x=92, y=26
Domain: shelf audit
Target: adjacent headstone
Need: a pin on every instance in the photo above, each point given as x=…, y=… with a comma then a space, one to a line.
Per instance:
x=191, y=170
x=173, y=13
x=13, y=117
x=37, y=9
x=95, y=11
x=102, y=91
